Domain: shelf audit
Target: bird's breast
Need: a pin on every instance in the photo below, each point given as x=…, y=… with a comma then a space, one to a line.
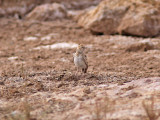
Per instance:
x=79, y=61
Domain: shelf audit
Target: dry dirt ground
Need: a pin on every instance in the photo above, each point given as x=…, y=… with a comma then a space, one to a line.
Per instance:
x=36, y=83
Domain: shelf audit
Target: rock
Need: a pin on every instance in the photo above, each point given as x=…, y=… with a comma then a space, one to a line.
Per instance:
x=79, y=4
x=140, y=46
x=87, y=91
x=142, y=19
x=21, y=8
x=47, y=12
x=17, y=9
x=103, y=18
x=138, y=18
x=2, y=12
x=76, y=14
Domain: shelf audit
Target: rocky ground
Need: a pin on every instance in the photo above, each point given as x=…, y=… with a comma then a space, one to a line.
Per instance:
x=38, y=79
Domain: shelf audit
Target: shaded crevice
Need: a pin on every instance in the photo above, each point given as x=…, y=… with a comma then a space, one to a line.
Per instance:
x=96, y=33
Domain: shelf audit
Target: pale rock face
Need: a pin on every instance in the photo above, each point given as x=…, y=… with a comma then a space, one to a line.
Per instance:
x=48, y=12
x=132, y=17
x=103, y=18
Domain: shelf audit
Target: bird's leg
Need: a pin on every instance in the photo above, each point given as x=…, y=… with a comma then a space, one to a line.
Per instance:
x=77, y=71
x=84, y=70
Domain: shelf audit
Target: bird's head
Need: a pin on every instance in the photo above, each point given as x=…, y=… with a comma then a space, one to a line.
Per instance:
x=80, y=48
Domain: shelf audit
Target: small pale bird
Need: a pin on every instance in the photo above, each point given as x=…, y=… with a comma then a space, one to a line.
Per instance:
x=80, y=59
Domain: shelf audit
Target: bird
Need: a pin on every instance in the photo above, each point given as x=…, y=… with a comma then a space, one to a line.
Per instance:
x=80, y=59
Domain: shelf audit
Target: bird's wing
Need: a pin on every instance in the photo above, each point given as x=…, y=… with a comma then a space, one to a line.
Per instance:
x=74, y=54
x=85, y=60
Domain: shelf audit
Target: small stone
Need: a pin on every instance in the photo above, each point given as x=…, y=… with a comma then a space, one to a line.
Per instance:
x=87, y=90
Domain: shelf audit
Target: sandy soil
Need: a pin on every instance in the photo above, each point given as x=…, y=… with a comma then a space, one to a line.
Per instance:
x=26, y=71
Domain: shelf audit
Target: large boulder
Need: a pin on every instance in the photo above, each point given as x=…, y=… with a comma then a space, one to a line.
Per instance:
x=131, y=17
x=47, y=12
